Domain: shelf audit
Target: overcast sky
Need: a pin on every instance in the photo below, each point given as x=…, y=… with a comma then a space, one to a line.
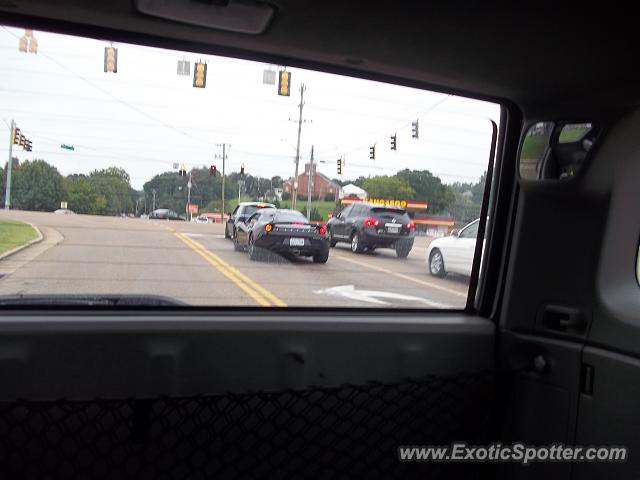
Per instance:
x=146, y=117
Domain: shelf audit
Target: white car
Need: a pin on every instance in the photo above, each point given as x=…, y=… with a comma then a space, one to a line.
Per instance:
x=201, y=219
x=453, y=253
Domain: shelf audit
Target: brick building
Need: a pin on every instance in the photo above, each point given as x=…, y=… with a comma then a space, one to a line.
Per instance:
x=321, y=185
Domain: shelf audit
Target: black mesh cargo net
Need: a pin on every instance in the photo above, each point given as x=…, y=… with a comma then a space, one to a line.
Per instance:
x=351, y=431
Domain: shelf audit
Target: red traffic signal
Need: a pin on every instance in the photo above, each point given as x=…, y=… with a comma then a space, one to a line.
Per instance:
x=242, y=169
x=213, y=170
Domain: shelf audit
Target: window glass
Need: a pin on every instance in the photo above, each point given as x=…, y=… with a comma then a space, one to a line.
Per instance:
x=289, y=216
x=573, y=132
x=470, y=232
x=553, y=151
x=347, y=211
x=113, y=153
x=534, y=146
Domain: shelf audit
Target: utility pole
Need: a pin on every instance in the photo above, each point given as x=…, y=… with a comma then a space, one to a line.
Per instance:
x=224, y=159
x=294, y=198
x=189, y=196
x=309, y=181
x=7, y=195
x=154, y=200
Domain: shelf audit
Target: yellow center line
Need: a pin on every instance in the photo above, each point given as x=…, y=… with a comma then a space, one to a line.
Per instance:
x=260, y=294
x=400, y=275
x=198, y=248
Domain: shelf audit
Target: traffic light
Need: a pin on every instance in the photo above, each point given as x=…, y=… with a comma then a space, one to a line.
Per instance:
x=182, y=171
x=28, y=145
x=394, y=145
x=22, y=44
x=200, y=75
x=22, y=141
x=284, y=83
x=339, y=162
x=33, y=45
x=213, y=170
x=16, y=136
x=372, y=152
x=242, y=169
x=414, y=129
x=184, y=67
x=28, y=43
x=110, y=59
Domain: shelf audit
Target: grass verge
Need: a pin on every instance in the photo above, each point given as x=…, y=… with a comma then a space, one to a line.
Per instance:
x=14, y=234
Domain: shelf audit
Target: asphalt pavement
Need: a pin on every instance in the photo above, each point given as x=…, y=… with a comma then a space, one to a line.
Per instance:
x=84, y=254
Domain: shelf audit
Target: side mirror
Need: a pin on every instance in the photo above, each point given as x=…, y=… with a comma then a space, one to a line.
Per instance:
x=455, y=232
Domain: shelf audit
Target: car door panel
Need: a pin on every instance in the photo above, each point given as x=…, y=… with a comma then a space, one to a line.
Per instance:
x=155, y=386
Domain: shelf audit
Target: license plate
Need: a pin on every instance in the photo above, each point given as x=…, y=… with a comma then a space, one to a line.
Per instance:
x=393, y=229
x=296, y=242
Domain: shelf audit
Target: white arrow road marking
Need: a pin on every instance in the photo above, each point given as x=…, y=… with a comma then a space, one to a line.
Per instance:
x=373, y=296
x=400, y=275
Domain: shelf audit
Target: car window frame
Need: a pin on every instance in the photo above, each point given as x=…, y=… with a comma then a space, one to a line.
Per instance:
x=474, y=224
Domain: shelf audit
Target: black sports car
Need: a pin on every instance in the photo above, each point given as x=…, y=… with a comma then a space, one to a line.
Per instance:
x=283, y=232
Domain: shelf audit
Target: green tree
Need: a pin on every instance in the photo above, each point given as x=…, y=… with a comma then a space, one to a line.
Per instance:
x=429, y=188
x=276, y=181
x=478, y=189
x=384, y=186
x=113, y=184
x=36, y=185
x=81, y=196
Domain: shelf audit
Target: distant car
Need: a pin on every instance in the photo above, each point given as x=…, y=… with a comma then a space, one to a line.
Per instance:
x=243, y=211
x=284, y=232
x=144, y=216
x=453, y=253
x=64, y=211
x=164, y=214
x=367, y=227
x=202, y=219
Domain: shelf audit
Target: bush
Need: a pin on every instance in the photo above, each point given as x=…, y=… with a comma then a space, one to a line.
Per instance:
x=330, y=197
x=314, y=214
x=286, y=196
x=303, y=197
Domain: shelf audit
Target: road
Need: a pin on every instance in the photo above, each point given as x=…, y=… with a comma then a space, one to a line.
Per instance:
x=83, y=254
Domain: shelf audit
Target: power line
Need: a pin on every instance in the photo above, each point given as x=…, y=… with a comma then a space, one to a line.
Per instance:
x=117, y=99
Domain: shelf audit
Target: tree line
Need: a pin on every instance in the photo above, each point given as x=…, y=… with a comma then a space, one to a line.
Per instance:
x=37, y=185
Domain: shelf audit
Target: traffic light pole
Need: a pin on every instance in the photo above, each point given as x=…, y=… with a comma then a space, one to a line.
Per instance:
x=310, y=179
x=294, y=197
x=7, y=194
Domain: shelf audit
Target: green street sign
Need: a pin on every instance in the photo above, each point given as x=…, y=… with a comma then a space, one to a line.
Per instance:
x=67, y=147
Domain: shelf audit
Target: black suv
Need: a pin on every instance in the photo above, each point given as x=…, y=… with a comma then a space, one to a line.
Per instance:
x=367, y=227
x=243, y=211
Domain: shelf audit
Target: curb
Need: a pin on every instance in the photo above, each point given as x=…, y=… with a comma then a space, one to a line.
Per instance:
x=28, y=244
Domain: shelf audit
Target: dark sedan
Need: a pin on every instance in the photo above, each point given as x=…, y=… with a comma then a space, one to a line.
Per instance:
x=282, y=232
x=243, y=211
x=164, y=214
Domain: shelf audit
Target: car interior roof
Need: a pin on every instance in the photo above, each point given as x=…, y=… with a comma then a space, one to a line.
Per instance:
x=554, y=58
